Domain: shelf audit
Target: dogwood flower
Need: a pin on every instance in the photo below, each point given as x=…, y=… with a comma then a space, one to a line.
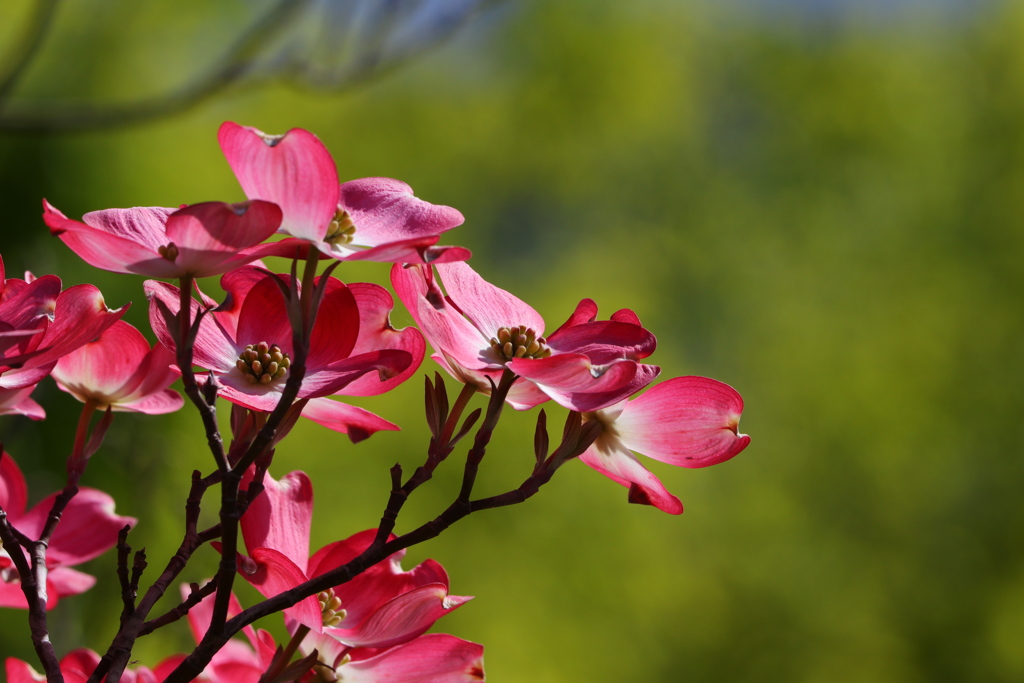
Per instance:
x=371, y=219
x=382, y=607
x=88, y=528
x=479, y=329
x=198, y=240
x=120, y=370
x=685, y=421
x=77, y=666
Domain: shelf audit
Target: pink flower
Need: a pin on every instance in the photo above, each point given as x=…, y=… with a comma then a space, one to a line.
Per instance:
x=88, y=528
x=375, y=334
x=382, y=607
x=686, y=421
x=19, y=402
x=479, y=329
x=39, y=323
x=120, y=370
x=249, y=347
x=79, y=664
x=236, y=662
x=198, y=240
x=372, y=219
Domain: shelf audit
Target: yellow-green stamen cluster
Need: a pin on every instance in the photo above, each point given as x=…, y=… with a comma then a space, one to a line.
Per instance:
x=330, y=606
x=519, y=342
x=342, y=230
x=168, y=251
x=261, y=363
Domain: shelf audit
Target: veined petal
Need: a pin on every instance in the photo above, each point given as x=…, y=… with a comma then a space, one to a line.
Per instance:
x=568, y=373
x=586, y=402
x=612, y=459
x=100, y=369
x=19, y=402
x=445, y=328
x=586, y=312
x=236, y=284
x=264, y=317
x=604, y=341
x=208, y=236
x=420, y=250
x=275, y=573
x=373, y=589
x=280, y=518
x=357, y=423
x=160, y=403
x=434, y=658
x=337, y=325
x=67, y=581
x=686, y=421
x=385, y=210
x=376, y=333
x=294, y=170
x=332, y=378
x=25, y=377
x=342, y=552
x=523, y=395
x=214, y=348
x=487, y=306
x=401, y=619
x=118, y=240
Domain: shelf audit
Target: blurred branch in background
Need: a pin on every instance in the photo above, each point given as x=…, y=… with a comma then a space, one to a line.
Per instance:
x=327, y=45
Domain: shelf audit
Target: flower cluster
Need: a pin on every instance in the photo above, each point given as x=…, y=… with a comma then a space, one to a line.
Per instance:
x=284, y=345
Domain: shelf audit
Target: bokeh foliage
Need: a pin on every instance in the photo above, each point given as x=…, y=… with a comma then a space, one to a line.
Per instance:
x=828, y=216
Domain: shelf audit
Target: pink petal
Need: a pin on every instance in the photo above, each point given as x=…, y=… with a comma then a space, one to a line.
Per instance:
x=264, y=318
x=210, y=235
x=101, y=368
x=605, y=341
x=294, y=170
x=342, y=552
x=280, y=518
x=357, y=423
x=384, y=582
x=12, y=596
x=153, y=375
x=24, y=377
x=332, y=378
x=568, y=373
x=586, y=312
x=686, y=421
x=87, y=529
x=487, y=306
x=337, y=325
x=421, y=250
x=118, y=240
x=18, y=671
x=384, y=210
x=586, y=402
x=25, y=306
x=214, y=349
x=434, y=658
x=67, y=581
x=80, y=315
x=625, y=315
x=612, y=459
x=160, y=403
x=13, y=490
x=275, y=573
x=18, y=402
x=200, y=616
x=79, y=664
x=236, y=284
x=401, y=619
x=376, y=333
x=448, y=331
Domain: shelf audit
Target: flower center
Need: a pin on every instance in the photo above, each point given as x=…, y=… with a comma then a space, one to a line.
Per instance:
x=169, y=251
x=341, y=230
x=519, y=342
x=330, y=606
x=263, y=362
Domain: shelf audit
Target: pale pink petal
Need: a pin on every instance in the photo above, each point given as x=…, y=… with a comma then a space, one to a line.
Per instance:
x=280, y=518
x=153, y=375
x=294, y=170
x=447, y=330
x=376, y=333
x=275, y=573
x=99, y=369
x=422, y=250
x=25, y=377
x=401, y=619
x=434, y=658
x=569, y=373
x=357, y=423
x=487, y=306
x=118, y=240
x=385, y=210
x=160, y=403
x=585, y=402
x=209, y=236
x=586, y=312
x=88, y=527
x=19, y=402
x=686, y=421
x=612, y=459
x=67, y=581
x=13, y=490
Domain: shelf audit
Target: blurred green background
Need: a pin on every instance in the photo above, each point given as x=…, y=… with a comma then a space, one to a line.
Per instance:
x=822, y=209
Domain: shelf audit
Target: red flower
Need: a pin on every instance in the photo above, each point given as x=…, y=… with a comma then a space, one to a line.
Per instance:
x=372, y=219
x=686, y=421
x=79, y=664
x=121, y=371
x=479, y=329
x=382, y=607
x=88, y=528
x=249, y=347
x=198, y=240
